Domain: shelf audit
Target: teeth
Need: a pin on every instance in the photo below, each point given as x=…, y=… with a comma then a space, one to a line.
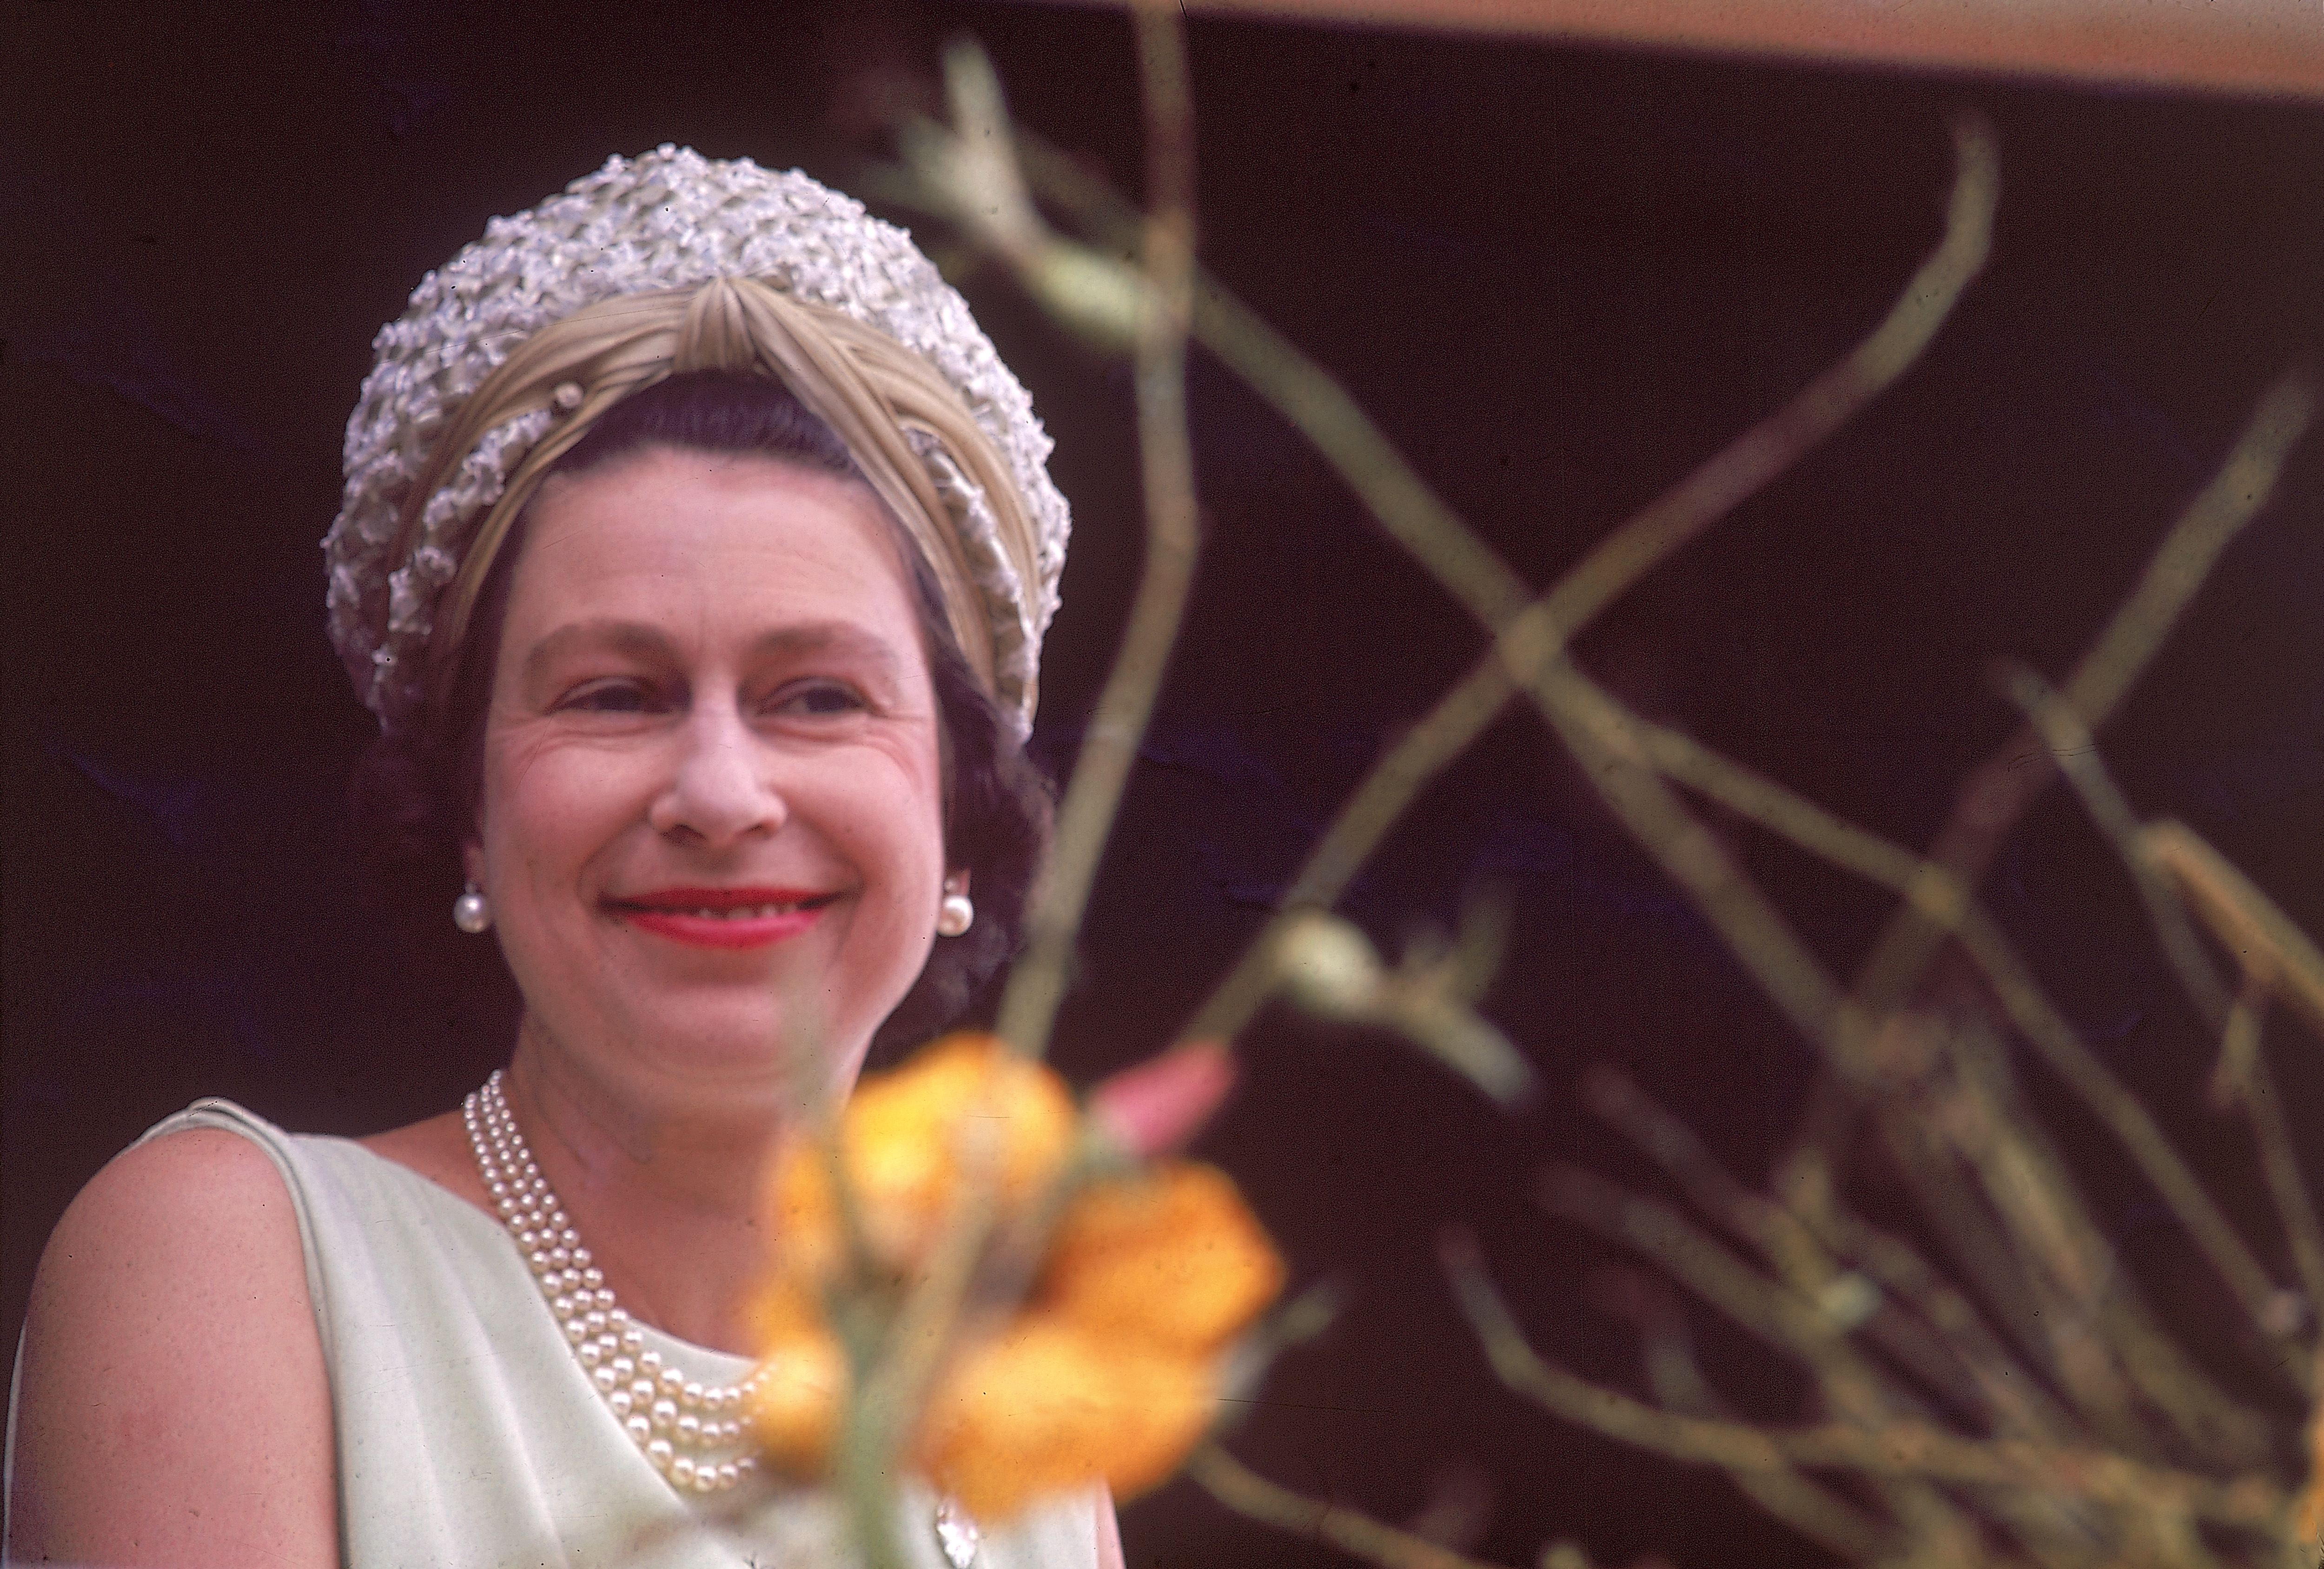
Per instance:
x=736, y=912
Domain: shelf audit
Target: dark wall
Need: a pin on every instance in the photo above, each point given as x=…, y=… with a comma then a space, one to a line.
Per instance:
x=1559, y=277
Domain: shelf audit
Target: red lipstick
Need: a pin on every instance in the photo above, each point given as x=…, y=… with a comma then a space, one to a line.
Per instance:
x=722, y=917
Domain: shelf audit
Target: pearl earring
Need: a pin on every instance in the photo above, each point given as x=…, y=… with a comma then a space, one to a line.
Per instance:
x=954, y=916
x=471, y=913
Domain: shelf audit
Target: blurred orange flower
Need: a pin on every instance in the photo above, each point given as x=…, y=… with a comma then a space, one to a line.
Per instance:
x=2307, y=1508
x=903, y=1136
x=1108, y=1371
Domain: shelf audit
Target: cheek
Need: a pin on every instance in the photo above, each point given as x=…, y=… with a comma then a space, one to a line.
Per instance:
x=890, y=810
x=548, y=807
x=899, y=829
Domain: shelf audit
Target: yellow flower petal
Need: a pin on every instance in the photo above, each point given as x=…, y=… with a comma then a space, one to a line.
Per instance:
x=795, y=1400
x=904, y=1136
x=1109, y=1372
x=1048, y=1407
x=808, y=1244
x=2307, y=1508
x=802, y=1379
x=905, y=1131
x=1172, y=1258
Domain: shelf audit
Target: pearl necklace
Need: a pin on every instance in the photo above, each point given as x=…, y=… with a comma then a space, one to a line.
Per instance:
x=692, y=1432
x=689, y=1430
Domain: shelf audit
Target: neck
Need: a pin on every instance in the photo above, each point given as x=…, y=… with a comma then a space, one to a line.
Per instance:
x=667, y=1197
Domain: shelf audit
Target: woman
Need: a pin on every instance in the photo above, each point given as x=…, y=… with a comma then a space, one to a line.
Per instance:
x=695, y=554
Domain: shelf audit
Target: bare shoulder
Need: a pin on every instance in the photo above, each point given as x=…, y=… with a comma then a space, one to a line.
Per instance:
x=174, y=1406
x=169, y=1224
x=193, y=1168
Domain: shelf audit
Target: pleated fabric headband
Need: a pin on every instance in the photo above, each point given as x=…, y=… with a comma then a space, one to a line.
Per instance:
x=654, y=265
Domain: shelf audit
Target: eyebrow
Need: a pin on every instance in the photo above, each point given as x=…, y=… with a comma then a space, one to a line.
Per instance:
x=646, y=642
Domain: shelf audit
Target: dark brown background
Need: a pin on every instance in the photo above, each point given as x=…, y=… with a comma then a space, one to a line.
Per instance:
x=1558, y=276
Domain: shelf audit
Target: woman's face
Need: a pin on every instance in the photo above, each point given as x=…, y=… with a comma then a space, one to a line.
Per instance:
x=711, y=828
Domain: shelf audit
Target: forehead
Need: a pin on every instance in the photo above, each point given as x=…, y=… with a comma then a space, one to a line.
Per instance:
x=666, y=533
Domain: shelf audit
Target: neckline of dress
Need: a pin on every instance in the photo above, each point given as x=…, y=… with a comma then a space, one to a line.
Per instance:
x=708, y=1363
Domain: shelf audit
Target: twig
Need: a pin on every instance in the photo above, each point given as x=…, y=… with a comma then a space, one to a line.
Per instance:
x=1805, y=1330
x=2024, y=1407
x=1944, y=903
x=1993, y=797
x=1826, y=404
x=1475, y=575
x=1966, y=1230
x=1901, y=1449
x=2244, y=1070
x=1782, y=1237
x=1976, y=1115
x=1817, y=1512
x=1038, y=984
x=1684, y=1252
x=1249, y=1494
x=2096, y=1085
x=1605, y=739
x=1778, y=1236
x=1529, y=641
x=2254, y=1086
x=2245, y=920
x=1391, y=785
x=2179, y=1386
x=2076, y=753
x=897, y=1386
x=1851, y=1386
x=2233, y=498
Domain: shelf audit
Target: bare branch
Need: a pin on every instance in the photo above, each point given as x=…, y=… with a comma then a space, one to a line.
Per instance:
x=1944, y=903
x=2254, y=1087
x=1801, y=1257
x=2076, y=753
x=2245, y=921
x=1901, y=1449
x=1816, y=1338
x=1815, y=1510
x=1251, y=1495
x=1037, y=985
x=1528, y=642
x=1993, y=797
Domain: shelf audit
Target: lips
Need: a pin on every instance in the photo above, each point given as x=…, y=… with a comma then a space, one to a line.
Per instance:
x=722, y=917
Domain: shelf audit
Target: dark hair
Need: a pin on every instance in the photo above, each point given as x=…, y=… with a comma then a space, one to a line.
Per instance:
x=416, y=797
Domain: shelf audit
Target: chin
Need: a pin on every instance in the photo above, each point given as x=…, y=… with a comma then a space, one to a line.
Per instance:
x=744, y=1043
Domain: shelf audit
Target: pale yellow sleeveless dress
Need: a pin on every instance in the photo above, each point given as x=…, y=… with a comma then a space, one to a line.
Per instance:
x=469, y=1438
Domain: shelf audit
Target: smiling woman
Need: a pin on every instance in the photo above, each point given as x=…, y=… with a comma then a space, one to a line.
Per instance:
x=696, y=555
x=711, y=781
x=419, y=788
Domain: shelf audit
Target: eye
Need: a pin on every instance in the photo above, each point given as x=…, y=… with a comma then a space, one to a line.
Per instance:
x=612, y=696
x=818, y=699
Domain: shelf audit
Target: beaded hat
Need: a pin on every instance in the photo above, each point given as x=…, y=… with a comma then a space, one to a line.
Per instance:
x=671, y=262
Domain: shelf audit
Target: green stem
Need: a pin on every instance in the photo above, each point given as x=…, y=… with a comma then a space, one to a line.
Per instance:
x=1530, y=640
x=1993, y=798
x=1037, y=985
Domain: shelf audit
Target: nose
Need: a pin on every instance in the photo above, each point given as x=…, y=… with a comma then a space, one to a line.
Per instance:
x=721, y=788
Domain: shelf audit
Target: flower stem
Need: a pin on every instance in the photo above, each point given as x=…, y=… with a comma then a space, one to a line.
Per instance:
x=1530, y=640
x=1037, y=985
x=1251, y=1495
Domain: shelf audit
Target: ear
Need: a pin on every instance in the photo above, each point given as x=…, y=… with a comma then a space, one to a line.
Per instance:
x=472, y=861
x=956, y=881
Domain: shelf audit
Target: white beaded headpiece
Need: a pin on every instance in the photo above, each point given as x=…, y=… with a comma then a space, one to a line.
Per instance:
x=661, y=227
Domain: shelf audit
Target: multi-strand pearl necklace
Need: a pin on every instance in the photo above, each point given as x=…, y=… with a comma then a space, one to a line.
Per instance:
x=692, y=1432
